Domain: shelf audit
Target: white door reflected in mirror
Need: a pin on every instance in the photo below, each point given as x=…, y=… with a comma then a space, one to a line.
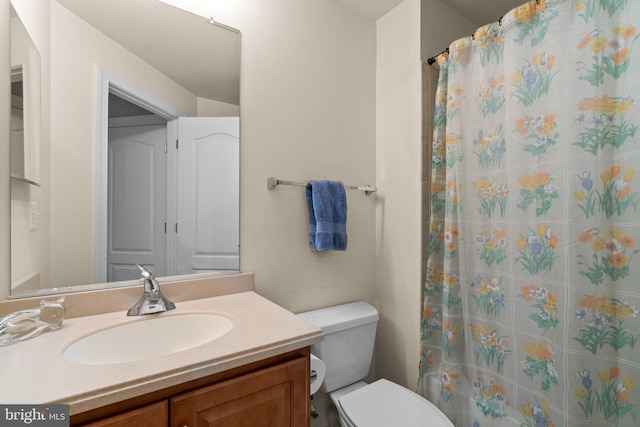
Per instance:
x=204, y=236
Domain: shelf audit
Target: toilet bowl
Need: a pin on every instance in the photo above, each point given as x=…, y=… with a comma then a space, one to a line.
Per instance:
x=347, y=348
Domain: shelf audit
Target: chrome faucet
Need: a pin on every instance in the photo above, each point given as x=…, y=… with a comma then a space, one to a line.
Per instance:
x=152, y=300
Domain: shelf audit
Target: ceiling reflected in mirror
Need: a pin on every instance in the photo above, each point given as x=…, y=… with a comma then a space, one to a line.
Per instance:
x=154, y=32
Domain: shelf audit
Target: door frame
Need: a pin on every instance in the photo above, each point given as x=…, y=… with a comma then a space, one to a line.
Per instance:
x=108, y=82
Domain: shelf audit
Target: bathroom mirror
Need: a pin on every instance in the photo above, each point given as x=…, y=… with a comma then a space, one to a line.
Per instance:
x=115, y=65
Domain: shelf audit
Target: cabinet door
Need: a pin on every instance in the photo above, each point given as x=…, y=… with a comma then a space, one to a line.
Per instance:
x=275, y=396
x=155, y=415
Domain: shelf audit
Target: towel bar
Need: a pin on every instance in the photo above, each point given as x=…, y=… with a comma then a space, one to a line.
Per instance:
x=272, y=183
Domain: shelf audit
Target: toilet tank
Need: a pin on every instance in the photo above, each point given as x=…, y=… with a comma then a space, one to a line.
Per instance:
x=349, y=336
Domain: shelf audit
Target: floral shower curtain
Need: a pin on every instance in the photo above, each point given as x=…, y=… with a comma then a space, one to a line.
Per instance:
x=531, y=303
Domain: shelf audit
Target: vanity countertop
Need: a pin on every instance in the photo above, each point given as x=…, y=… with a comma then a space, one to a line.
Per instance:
x=34, y=371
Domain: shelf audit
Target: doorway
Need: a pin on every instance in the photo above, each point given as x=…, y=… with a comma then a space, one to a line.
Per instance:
x=172, y=217
x=185, y=201
x=137, y=191
x=108, y=85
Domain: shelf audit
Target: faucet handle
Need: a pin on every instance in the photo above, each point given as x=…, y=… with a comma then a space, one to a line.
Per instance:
x=145, y=273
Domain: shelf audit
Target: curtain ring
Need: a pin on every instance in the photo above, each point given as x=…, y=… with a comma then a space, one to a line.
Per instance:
x=500, y=20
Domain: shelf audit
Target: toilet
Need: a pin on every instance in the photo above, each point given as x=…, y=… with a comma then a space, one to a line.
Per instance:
x=347, y=348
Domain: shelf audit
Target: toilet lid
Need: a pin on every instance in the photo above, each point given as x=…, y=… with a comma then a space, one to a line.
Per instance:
x=384, y=403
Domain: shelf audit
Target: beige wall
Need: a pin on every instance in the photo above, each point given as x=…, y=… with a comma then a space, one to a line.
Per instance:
x=308, y=112
x=398, y=172
x=5, y=98
x=211, y=108
x=35, y=17
x=415, y=30
x=440, y=26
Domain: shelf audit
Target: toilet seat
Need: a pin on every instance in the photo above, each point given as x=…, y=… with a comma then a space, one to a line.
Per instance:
x=384, y=403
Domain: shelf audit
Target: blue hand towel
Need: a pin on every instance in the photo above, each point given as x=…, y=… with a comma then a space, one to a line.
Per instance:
x=327, y=207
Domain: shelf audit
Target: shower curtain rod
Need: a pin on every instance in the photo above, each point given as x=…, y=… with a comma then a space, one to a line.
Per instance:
x=272, y=183
x=432, y=60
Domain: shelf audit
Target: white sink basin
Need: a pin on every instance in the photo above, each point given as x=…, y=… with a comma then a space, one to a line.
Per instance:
x=147, y=338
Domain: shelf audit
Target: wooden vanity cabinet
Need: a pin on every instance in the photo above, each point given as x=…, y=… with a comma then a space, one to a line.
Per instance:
x=269, y=397
x=272, y=392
